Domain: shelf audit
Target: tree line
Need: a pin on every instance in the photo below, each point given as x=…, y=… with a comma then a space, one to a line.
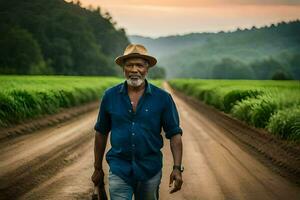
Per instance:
x=58, y=37
x=269, y=68
x=270, y=52
x=267, y=52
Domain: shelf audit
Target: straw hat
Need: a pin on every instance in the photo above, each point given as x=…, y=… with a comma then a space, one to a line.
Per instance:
x=136, y=51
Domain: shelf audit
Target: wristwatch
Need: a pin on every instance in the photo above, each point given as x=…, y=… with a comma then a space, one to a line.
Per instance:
x=179, y=167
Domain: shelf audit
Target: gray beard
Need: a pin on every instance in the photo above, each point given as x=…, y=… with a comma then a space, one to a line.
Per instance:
x=135, y=83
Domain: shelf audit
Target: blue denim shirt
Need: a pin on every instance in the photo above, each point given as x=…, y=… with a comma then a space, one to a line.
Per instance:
x=136, y=138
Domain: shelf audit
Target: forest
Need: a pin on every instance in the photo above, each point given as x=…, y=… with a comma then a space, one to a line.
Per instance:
x=58, y=37
x=269, y=52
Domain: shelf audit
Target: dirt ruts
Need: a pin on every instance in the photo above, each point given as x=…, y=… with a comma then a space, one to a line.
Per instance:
x=32, y=159
x=31, y=125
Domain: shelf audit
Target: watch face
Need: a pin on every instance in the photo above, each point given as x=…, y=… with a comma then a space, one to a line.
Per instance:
x=181, y=168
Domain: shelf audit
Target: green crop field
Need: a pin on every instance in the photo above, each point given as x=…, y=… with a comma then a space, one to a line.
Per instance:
x=273, y=105
x=26, y=97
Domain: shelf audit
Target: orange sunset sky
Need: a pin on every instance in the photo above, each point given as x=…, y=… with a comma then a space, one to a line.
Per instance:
x=156, y=18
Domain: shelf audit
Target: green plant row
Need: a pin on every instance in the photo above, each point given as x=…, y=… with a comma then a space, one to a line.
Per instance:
x=26, y=97
x=273, y=105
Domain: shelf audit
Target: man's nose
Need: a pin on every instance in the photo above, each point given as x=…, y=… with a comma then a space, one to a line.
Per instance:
x=134, y=68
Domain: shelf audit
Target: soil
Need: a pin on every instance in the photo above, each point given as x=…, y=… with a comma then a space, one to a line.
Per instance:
x=31, y=125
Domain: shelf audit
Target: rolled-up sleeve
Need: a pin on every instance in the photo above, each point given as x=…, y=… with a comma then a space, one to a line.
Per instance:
x=103, y=124
x=170, y=119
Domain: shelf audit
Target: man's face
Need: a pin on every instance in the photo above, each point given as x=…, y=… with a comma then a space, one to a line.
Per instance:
x=135, y=71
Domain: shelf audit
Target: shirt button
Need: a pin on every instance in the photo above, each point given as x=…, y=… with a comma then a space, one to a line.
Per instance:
x=132, y=123
x=133, y=145
x=129, y=111
x=133, y=133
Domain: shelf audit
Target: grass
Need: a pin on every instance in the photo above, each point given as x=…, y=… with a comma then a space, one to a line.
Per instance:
x=25, y=97
x=262, y=104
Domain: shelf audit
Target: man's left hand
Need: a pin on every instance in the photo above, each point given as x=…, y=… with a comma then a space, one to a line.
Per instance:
x=177, y=179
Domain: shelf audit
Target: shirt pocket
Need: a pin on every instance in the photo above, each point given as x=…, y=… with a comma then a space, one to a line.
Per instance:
x=150, y=113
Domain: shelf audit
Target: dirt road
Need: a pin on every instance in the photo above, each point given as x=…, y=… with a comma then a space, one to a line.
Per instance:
x=57, y=162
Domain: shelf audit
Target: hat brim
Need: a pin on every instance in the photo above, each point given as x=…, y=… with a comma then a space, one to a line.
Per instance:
x=120, y=59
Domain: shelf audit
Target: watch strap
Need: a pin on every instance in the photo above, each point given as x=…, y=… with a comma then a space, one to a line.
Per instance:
x=179, y=167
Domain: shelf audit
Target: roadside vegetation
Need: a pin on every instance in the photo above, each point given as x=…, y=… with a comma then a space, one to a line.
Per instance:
x=26, y=97
x=272, y=105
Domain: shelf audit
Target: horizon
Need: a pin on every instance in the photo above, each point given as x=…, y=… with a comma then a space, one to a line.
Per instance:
x=172, y=17
x=228, y=31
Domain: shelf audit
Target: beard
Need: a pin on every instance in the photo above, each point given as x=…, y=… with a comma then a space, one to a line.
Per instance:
x=135, y=80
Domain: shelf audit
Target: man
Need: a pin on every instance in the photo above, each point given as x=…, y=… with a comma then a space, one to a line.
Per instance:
x=134, y=112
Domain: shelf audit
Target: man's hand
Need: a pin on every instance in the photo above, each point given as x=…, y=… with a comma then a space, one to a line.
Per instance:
x=98, y=177
x=177, y=179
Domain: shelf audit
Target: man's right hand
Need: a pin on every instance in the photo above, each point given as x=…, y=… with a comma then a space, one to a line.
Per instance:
x=98, y=177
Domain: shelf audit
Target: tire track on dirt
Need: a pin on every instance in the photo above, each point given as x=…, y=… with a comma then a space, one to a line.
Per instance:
x=28, y=161
x=71, y=182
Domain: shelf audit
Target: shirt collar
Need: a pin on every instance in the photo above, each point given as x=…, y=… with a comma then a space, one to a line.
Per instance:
x=123, y=88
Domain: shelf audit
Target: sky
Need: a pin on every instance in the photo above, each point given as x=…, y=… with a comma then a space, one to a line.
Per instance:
x=156, y=18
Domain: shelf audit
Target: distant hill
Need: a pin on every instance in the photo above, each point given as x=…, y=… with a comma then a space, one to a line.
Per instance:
x=56, y=37
x=256, y=53
x=163, y=45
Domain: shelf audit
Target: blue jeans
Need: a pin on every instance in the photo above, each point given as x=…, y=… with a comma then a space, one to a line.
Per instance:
x=120, y=190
